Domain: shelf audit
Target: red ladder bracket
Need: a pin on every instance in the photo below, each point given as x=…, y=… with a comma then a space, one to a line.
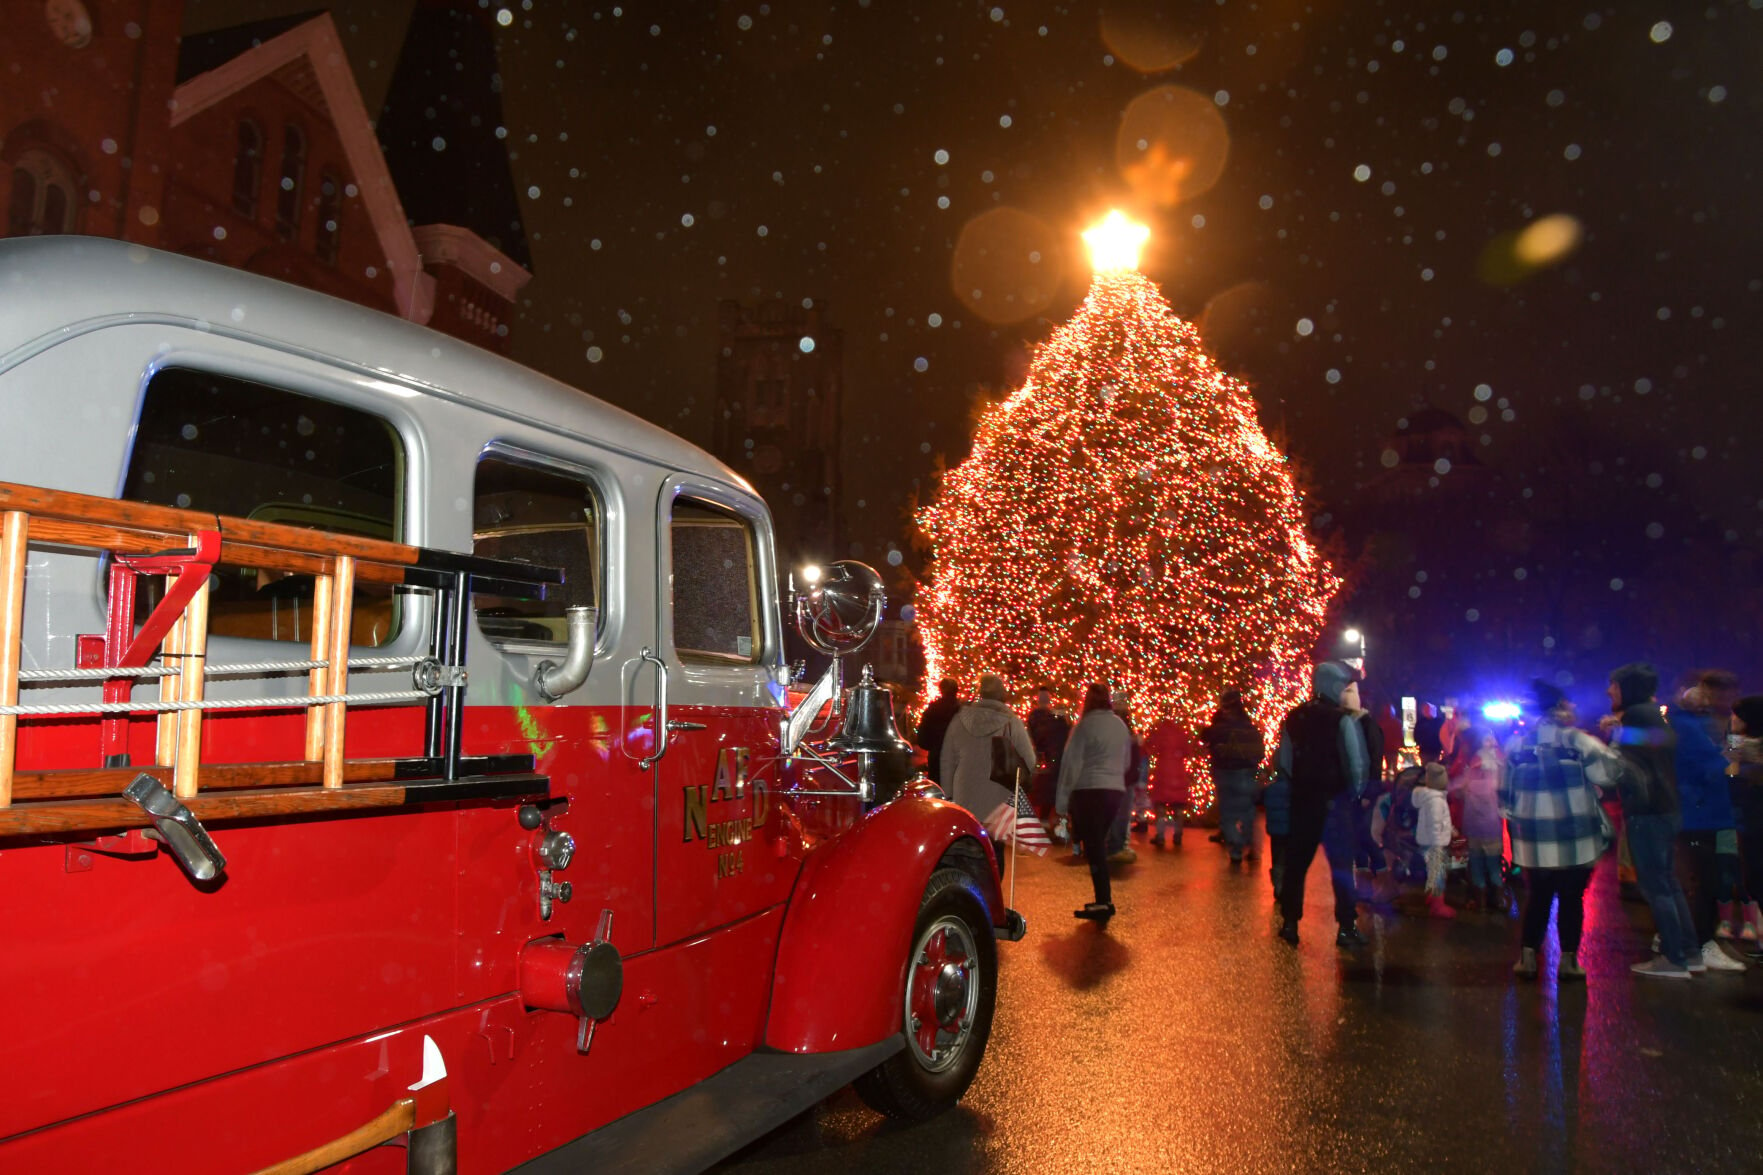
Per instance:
x=125, y=648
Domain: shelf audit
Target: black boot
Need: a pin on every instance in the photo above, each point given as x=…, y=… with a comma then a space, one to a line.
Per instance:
x=1348, y=936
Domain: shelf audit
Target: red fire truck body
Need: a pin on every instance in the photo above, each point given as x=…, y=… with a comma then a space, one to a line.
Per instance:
x=494, y=916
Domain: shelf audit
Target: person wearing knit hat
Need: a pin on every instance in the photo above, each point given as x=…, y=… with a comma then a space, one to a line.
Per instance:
x=1321, y=758
x=1647, y=787
x=1549, y=796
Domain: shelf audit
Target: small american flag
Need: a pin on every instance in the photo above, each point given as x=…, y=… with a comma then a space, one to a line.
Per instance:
x=1018, y=822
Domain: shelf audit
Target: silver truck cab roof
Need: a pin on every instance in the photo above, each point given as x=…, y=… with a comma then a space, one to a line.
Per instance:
x=54, y=288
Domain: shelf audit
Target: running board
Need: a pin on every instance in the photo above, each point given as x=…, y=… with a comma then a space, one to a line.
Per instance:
x=696, y=1127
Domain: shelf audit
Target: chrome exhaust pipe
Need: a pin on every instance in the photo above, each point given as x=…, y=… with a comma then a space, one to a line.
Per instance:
x=552, y=680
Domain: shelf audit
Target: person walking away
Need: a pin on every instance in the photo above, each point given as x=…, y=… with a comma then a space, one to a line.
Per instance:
x=1389, y=725
x=1744, y=771
x=1366, y=853
x=1482, y=826
x=1549, y=795
x=1647, y=786
x=933, y=727
x=1172, y=750
x=1427, y=729
x=1137, y=788
x=1322, y=756
x=1449, y=732
x=974, y=769
x=1047, y=729
x=1434, y=832
x=1276, y=799
x=1699, y=723
x=1234, y=748
x=1092, y=786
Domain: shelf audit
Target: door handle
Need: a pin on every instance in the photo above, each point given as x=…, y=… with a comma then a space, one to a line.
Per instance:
x=677, y=725
x=663, y=728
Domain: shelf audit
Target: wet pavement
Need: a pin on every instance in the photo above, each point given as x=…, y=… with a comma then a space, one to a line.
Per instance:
x=1186, y=1037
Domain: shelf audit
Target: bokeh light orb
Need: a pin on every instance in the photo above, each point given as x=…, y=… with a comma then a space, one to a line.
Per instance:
x=1148, y=35
x=1548, y=239
x=1008, y=265
x=1172, y=145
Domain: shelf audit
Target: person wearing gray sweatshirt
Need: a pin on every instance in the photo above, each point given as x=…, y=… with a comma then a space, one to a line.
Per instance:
x=1092, y=786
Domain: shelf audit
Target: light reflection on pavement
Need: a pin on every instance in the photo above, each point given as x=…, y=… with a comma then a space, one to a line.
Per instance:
x=1186, y=1037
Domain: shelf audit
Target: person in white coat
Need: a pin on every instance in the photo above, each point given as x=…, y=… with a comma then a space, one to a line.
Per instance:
x=968, y=757
x=1433, y=834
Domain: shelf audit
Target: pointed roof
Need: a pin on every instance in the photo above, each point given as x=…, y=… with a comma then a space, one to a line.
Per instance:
x=309, y=58
x=440, y=124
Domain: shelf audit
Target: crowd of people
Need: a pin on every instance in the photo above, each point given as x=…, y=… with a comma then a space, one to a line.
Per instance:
x=1676, y=790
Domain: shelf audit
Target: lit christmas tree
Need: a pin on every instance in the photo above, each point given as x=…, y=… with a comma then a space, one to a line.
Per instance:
x=1123, y=518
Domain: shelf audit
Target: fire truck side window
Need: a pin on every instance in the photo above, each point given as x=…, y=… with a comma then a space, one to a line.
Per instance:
x=531, y=514
x=229, y=446
x=715, y=585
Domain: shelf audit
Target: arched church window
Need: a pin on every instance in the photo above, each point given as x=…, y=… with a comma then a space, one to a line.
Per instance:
x=287, y=197
x=248, y=169
x=42, y=196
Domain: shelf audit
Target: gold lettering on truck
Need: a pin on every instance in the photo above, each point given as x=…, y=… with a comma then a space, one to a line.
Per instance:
x=703, y=806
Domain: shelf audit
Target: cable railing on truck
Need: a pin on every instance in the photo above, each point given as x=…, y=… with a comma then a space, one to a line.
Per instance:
x=170, y=648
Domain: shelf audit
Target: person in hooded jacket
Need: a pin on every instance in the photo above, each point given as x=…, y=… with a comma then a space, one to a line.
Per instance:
x=1700, y=721
x=1322, y=754
x=1092, y=786
x=1549, y=795
x=968, y=756
x=1647, y=786
x=1236, y=750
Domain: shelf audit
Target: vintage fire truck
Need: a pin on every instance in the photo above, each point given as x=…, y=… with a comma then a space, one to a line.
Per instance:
x=400, y=770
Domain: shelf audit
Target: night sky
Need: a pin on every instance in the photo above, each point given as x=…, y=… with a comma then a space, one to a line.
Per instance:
x=1355, y=248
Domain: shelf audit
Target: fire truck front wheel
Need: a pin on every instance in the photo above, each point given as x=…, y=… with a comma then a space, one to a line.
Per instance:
x=951, y=988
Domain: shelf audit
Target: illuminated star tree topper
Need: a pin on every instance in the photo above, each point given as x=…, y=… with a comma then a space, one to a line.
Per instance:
x=1123, y=518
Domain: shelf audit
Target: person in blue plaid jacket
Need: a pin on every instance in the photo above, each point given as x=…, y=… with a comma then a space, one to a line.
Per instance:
x=1549, y=796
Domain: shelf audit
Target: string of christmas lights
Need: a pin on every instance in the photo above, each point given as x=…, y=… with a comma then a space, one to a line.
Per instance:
x=1123, y=518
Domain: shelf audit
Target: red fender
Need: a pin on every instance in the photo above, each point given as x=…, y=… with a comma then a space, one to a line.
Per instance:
x=841, y=958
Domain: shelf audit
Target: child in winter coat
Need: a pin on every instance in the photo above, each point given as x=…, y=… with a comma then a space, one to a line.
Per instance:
x=1434, y=835
x=1172, y=750
x=1483, y=827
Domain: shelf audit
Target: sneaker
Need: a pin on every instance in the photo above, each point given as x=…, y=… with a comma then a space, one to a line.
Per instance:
x=1568, y=967
x=1659, y=967
x=1095, y=911
x=1124, y=856
x=1723, y=929
x=1288, y=931
x=1718, y=960
x=1437, y=908
x=1526, y=967
x=1748, y=932
x=1349, y=937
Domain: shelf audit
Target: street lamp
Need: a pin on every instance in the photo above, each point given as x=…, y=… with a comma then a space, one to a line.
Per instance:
x=1354, y=637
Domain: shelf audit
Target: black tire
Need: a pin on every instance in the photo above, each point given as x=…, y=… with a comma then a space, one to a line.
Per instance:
x=906, y=1085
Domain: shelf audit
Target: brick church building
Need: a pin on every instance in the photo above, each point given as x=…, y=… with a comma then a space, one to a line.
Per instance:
x=252, y=147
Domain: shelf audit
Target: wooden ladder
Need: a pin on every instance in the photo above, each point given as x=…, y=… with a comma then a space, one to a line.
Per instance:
x=185, y=545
